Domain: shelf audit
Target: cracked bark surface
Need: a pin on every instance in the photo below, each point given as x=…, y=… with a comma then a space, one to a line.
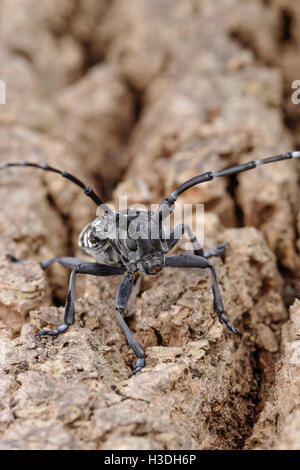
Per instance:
x=135, y=99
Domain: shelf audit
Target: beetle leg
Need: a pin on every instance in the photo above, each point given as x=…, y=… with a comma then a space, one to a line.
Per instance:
x=67, y=261
x=95, y=269
x=192, y=261
x=121, y=302
x=217, y=251
x=176, y=235
x=198, y=250
x=13, y=259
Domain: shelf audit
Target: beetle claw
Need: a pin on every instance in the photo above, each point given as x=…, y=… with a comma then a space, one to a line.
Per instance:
x=13, y=259
x=55, y=332
x=140, y=364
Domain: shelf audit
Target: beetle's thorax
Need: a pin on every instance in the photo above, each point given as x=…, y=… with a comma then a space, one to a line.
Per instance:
x=131, y=241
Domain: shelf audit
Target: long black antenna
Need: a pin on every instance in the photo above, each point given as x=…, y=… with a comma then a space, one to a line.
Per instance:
x=167, y=205
x=44, y=166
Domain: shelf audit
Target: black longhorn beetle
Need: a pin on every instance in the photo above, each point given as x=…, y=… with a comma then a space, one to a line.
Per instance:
x=116, y=255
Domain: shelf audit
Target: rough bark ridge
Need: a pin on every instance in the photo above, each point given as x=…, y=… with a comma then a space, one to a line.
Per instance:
x=135, y=97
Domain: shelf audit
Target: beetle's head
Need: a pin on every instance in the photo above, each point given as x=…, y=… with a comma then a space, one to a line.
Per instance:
x=143, y=246
x=147, y=255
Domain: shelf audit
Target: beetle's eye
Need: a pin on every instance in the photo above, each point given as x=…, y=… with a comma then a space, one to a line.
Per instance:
x=131, y=244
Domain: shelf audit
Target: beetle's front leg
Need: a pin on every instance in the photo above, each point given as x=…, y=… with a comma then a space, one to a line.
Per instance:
x=95, y=269
x=69, y=310
x=193, y=261
x=121, y=302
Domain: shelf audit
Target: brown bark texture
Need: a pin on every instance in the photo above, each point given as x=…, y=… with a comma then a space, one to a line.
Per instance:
x=134, y=98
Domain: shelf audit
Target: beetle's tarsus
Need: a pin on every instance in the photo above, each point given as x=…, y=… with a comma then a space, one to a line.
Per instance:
x=13, y=259
x=56, y=332
x=140, y=364
x=222, y=246
x=217, y=251
x=223, y=319
x=47, y=333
